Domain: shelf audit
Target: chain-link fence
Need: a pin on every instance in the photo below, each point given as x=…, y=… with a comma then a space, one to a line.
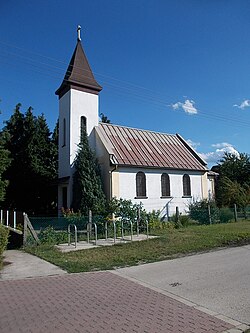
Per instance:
x=208, y=213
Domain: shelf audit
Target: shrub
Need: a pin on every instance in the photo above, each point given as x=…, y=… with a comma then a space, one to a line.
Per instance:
x=50, y=236
x=4, y=234
x=226, y=215
x=159, y=225
x=127, y=210
x=198, y=211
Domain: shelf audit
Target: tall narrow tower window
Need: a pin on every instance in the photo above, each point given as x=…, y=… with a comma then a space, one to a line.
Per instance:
x=83, y=125
x=64, y=133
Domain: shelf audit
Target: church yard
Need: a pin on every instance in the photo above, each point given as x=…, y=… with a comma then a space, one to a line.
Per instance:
x=171, y=243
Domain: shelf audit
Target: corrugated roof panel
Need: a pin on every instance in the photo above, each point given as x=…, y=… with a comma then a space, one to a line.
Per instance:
x=142, y=148
x=134, y=147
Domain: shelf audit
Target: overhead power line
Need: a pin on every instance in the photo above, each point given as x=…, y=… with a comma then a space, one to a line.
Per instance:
x=57, y=71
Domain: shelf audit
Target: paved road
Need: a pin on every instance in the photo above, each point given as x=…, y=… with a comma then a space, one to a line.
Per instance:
x=96, y=303
x=219, y=280
x=99, y=302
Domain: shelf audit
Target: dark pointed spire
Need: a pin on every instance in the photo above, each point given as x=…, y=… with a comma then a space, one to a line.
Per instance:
x=79, y=74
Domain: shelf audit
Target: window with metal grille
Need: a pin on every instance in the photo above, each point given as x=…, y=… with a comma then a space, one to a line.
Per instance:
x=140, y=184
x=186, y=186
x=165, y=185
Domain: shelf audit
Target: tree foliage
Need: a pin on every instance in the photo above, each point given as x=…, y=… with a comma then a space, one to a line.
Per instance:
x=4, y=163
x=87, y=187
x=33, y=166
x=233, y=185
x=104, y=119
x=236, y=168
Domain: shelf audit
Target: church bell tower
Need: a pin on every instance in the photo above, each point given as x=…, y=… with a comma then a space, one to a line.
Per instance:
x=78, y=109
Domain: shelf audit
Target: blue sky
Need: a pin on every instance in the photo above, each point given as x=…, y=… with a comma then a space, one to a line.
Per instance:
x=174, y=66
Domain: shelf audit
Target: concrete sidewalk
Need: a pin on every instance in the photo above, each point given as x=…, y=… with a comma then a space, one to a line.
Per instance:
x=19, y=265
x=218, y=280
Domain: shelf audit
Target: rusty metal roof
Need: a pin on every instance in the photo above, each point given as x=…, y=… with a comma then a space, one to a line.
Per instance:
x=142, y=148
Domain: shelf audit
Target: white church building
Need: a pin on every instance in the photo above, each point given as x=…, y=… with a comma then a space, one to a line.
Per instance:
x=162, y=171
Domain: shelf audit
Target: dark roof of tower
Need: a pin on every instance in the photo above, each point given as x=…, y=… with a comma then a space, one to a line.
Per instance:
x=79, y=74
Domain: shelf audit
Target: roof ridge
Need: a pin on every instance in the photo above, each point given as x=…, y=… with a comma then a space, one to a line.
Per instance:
x=137, y=129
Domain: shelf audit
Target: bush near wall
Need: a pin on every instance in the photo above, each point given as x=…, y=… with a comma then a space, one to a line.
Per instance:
x=198, y=211
x=4, y=234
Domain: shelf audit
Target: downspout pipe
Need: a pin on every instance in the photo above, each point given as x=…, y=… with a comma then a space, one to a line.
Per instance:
x=114, y=162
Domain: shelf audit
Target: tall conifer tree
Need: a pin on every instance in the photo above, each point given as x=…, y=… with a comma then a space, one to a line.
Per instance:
x=87, y=186
x=33, y=167
x=4, y=163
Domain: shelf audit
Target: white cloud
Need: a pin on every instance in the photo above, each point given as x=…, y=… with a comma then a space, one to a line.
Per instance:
x=244, y=104
x=221, y=145
x=193, y=144
x=221, y=148
x=187, y=106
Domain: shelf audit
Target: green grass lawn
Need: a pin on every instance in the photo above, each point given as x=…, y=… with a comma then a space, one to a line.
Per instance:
x=170, y=244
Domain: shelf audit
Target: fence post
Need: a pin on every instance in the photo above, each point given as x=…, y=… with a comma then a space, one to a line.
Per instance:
x=138, y=221
x=235, y=213
x=1, y=217
x=14, y=217
x=209, y=213
x=90, y=221
x=25, y=230
x=177, y=215
x=27, y=225
x=167, y=211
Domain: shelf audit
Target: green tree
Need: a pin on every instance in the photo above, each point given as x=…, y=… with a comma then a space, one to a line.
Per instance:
x=231, y=192
x=33, y=167
x=233, y=185
x=236, y=168
x=104, y=119
x=87, y=187
x=4, y=163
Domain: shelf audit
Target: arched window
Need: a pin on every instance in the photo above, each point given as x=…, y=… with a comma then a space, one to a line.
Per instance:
x=83, y=125
x=186, y=186
x=165, y=185
x=140, y=184
x=64, y=133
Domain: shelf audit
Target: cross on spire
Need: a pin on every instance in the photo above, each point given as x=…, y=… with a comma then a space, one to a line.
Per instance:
x=79, y=33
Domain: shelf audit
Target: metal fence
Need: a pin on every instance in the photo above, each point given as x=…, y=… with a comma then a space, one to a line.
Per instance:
x=61, y=223
x=209, y=213
x=11, y=218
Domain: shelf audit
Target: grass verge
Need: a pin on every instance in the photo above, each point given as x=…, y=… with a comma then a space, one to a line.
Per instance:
x=170, y=244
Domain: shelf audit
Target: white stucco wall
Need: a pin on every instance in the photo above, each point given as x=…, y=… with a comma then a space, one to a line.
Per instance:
x=210, y=186
x=64, y=151
x=72, y=106
x=82, y=104
x=127, y=188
